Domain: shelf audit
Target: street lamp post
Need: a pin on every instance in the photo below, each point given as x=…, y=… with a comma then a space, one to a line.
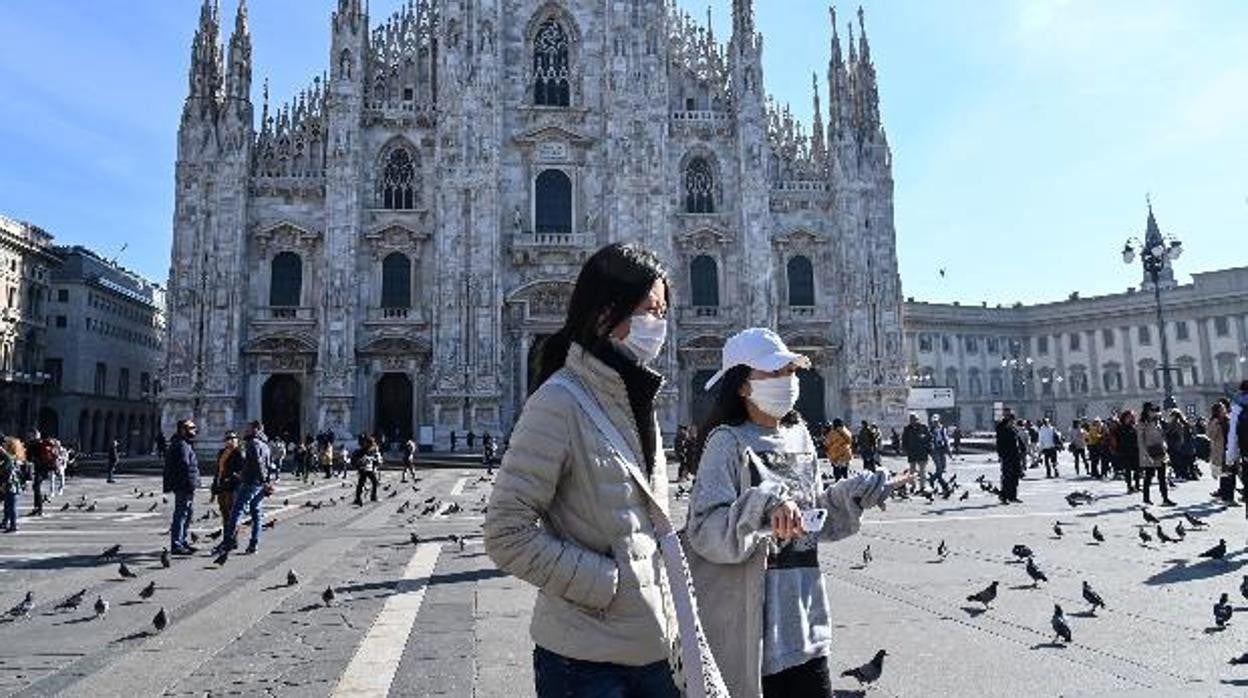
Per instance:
x=1155, y=252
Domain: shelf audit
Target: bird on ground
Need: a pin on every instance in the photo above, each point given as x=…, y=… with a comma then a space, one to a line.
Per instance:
x=92, y=507
x=965, y=495
x=415, y=539
x=72, y=603
x=1179, y=531
x=946, y=493
x=870, y=672
x=866, y=556
x=123, y=507
x=942, y=550
x=953, y=482
x=1222, y=610
x=1217, y=552
x=1161, y=536
x=1148, y=517
x=393, y=494
x=1092, y=597
x=1057, y=528
x=152, y=507
x=194, y=537
x=65, y=506
x=1021, y=551
x=328, y=596
x=1193, y=521
x=985, y=596
x=286, y=502
x=1145, y=539
x=1097, y=535
x=125, y=571
x=928, y=495
x=22, y=610
x=161, y=620
x=110, y=553
x=1241, y=659
x=291, y=578
x=215, y=534
x=164, y=558
x=1060, y=627
x=1037, y=575
x=1243, y=587
x=221, y=559
x=147, y=591
x=101, y=606
x=269, y=524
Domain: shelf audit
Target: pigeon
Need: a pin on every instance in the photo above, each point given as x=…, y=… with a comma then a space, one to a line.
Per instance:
x=1148, y=517
x=194, y=537
x=215, y=534
x=123, y=507
x=1243, y=587
x=1097, y=535
x=328, y=596
x=415, y=539
x=164, y=558
x=1037, y=575
x=1144, y=537
x=1161, y=536
x=286, y=502
x=870, y=672
x=985, y=596
x=72, y=603
x=22, y=610
x=110, y=553
x=152, y=507
x=1092, y=597
x=866, y=556
x=1217, y=552
x=221, y=559
x=1241, y=659
x=942, y=550
x=1060, y=628
x=1193, y=521
x=92, y=507
x=1057, y=528
x=125, y=571
x=268, y=525
x=65, y=506
x=147, y=591
x=161, y=620
x=1222, y=610
x=1021, y=551
x=291, y=578
x=101, y=606
x=965, y=495
x=928, y=495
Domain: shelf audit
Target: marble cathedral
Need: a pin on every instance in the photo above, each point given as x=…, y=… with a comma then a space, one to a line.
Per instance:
x=388, y=250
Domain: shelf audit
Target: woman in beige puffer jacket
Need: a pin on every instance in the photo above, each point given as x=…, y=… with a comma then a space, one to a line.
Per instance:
x=1153, y=458
x=569, y=513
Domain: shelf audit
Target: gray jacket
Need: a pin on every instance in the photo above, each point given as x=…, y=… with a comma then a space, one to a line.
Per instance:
x=726, y=544
x=566, y=517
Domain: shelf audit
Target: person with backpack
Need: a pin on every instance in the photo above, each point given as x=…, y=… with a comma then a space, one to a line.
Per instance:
x=12, y=479
x=42, y=461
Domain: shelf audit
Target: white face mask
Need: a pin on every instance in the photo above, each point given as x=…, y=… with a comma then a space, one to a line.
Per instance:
x=646, y=335
x=775, y=396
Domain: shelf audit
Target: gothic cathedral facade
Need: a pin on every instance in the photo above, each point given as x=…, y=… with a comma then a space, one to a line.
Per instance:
x=389, y=250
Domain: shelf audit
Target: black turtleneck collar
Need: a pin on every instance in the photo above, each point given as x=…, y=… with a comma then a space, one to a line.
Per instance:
x=642, y=384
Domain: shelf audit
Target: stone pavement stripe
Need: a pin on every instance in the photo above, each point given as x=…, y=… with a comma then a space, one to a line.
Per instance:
x=978, y=517
x=372, y=669
x=161, y=660
x=458, y=489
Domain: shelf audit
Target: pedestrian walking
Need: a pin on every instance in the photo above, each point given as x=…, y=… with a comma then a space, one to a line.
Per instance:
x=586, y=453
x=1237, y=437
x=409, y=460
x=758, y=487
x=1181, y=445
x=838, y=444
x=181, y=477
x=12, y=479
x=253, y=487
x=1049, y=441
x=957, y=439
x=1012, y=452
x=367, y=461
x=326, y=457
x=940, y=452
x=916, y=441
x=279, y=451
x=225, y=478
x=868, y=443
x=487, y=450
x=471, y=440
x=1217, y=430
x=42, y=460
x=60, y=468
x=1152, y=453
x=341, y=456
x=114, y=456
x=1079, y=446
x=161, y=445
x=454, y=440
x=1098, y=449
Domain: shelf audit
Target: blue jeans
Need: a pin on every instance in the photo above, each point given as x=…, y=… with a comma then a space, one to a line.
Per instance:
x=939, y=458
x=247, y=498
x=557, y=676
x=10, y=512
x=183, y=511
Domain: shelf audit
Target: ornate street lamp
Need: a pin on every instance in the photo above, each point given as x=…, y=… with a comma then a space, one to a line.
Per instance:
x=1156, y=252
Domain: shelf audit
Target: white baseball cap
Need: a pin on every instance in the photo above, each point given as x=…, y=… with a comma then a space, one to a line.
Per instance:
x=759, y=348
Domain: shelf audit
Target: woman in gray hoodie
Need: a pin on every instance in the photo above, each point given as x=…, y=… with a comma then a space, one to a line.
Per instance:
x=756, y=514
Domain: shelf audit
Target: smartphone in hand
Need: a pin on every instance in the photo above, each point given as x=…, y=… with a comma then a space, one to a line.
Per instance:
x=812, y=520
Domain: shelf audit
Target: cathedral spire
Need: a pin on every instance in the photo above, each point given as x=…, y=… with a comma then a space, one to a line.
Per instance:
x=838, y=86
x=743, y=18
x=238, y=81
x=869, y=98
x=816, y=128
x=206, y=71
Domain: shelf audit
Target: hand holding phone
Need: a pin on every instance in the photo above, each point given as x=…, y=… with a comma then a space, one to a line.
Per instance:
x=813, y=519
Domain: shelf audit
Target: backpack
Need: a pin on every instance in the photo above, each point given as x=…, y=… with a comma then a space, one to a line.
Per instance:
x=45, y=455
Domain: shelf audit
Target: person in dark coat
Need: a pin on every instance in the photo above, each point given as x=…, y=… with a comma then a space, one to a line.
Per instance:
x=916, y=441
x=181, y=477
x=1127, y=449
x=1011, y=451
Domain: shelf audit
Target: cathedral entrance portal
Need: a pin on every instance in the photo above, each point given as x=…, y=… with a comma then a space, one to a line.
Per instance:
x=281, y=406
x=810, y=404
x=535, y=360
x=701, y=400
x=393, y=409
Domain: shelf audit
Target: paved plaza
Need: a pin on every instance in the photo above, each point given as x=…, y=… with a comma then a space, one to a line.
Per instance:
x=430, y=618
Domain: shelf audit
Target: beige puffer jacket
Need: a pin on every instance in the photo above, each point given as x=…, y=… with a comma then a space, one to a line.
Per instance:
x=566, y=517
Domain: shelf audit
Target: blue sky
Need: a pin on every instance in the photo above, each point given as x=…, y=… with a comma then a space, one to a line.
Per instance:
x=1025, y=134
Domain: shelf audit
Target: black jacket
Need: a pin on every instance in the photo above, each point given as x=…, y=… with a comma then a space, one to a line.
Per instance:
x=256, y=460
x=181, y=467
x=1009, y=448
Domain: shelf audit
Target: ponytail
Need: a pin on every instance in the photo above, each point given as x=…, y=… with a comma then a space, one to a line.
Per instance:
x=554, y=355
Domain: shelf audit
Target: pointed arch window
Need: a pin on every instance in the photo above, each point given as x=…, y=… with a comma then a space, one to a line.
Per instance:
x=699, y=187
x=396, y=281
x=553, y=202
x=801, y=282
x=704, y=282
x=285, y=280
x=398, y=181
x=551, y=73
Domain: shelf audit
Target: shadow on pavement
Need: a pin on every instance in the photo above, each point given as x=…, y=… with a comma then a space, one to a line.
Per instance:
x=1049, y=646
x=974, y=612
x=849, y=694
x=1182, y=571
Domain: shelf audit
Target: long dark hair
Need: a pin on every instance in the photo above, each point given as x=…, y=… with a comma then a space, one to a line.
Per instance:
x=611, y=284
x=730, y=409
